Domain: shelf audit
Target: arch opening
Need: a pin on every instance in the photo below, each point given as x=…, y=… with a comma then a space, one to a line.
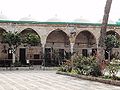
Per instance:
x=114, y=53
x=85, y=43
x=3, y=46
x=57, y=47
x=113, y=33
x=33, y=53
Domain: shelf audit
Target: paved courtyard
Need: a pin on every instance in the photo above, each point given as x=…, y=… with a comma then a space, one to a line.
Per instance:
x=46, y=80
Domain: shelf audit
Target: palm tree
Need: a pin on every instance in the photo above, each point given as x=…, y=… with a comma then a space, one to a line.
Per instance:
x=104, y=27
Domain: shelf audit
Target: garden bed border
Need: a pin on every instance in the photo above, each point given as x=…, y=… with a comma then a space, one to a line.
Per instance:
x=97, y=79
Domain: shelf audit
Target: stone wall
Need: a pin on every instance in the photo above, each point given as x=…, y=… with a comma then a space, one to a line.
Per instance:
x=44, y=30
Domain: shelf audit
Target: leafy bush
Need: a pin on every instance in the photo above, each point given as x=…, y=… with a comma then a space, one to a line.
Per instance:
x=66, y=67
x=113, y=68
x=109, y=77
x=111, y=41
x=31, y=39
x=11, y=38
x=17, y=64
x=95, y=70
x=82, y=65
x=86, y=65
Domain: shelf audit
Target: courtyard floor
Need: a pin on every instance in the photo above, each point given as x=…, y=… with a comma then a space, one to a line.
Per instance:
x=46, y=80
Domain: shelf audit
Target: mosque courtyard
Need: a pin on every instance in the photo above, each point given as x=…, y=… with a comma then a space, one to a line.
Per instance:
x=46, y=80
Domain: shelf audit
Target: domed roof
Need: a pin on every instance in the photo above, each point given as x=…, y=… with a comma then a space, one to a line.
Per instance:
x=3, y=17
x=28, y=18
x=81, y=20
x=54, y=19
x=109, y=21
x=118, y=22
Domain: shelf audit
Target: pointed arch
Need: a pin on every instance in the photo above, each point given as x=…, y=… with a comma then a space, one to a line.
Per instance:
x=111, y=32
x=85, y=42
x=85, y=37
x=29, y=30
x=34, y=52
x=3, y=46
x=57, y=47
x=57, y=36
x=1, y=32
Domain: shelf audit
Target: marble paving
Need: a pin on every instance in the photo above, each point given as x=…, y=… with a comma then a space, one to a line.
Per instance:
x=47, y=80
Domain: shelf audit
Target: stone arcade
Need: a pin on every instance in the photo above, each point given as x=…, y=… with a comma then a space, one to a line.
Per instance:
x=63, y=37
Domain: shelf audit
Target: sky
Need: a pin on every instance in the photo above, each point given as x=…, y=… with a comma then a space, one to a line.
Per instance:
x=65, y=10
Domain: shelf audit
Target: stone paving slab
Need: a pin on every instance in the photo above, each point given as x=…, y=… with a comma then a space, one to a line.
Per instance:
x=34, y=67
x=47, y=80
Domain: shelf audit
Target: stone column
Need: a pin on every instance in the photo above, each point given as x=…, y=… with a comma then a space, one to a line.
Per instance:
x=71, y=47
x=43, y=49
x=43, y=42
x=13, y=54
x=43, y=52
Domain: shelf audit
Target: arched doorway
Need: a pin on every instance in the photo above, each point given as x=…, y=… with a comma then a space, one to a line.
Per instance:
x=85, y=43
x=114, y=52
x=57, y=47
x=26, y=52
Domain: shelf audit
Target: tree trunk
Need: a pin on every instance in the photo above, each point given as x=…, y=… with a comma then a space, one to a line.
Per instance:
x=13, y=54
x=13, y=57
x=104, y=27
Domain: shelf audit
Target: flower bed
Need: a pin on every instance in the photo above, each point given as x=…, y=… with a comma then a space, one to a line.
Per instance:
x=98, y=79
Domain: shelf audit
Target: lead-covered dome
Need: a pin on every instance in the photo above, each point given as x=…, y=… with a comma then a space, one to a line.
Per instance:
x=28, y=18
x=81, y=20
x=109, y=21
x=54, y=19
x=118, y=22
x=3, y=17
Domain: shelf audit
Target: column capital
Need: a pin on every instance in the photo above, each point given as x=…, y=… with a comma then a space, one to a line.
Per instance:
x=72, y=39
x=72, y=43
x=43, y=43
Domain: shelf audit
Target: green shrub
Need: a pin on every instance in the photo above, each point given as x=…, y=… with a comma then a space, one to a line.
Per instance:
x=113, y=68
x=106, y=77
x=95, y=70
x=87, y=66
x=66, y=67
x=17, y=64
x=109, y=77
x=82, y=65
x=74, y=71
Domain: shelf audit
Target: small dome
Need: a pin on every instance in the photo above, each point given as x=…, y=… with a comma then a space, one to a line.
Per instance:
x=54, y=19
x=3, y=17
x=81, y=20
x=29, y=18
x=109, y=21
x=118, y=22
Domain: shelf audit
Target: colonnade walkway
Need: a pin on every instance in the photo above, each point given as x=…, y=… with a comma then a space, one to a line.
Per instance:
x=46, y=80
